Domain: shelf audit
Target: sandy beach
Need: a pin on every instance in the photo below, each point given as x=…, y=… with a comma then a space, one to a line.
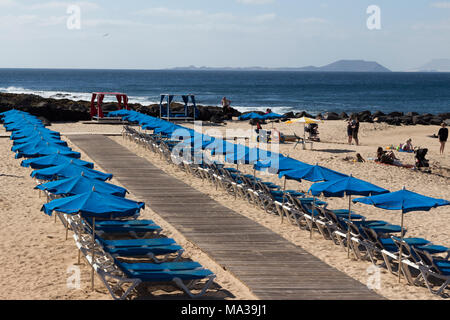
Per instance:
x=34, y=246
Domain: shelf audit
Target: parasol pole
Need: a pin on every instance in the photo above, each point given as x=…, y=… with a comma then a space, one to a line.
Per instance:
x=284, y=195
x=312, y=217
x=401, y=251
x=93, y=248
x=349, y=218
x=93, y=252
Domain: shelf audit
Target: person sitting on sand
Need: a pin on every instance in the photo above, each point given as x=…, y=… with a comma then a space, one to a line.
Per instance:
x=385, y=157
x=407, y=146
x=359, y=158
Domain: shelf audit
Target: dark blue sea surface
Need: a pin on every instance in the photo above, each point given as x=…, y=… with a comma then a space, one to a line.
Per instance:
x=248, y=90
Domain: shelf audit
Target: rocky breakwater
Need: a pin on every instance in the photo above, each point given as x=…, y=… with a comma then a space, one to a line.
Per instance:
x=64, y=110
x=393, y=118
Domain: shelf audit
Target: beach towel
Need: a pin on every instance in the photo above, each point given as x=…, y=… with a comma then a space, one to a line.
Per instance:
x=396, y=164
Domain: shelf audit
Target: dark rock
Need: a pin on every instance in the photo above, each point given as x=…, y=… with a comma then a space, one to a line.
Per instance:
x=216, y=118
x=331, y=116
x=44, y=121
x=419, y=120
x=395, y=114
x=406, y=120
x=444, y=116
x=289, y=115
x=435, y=121
x=412, y=114
x=64, y=110
x=377, y=114
x=380, y=119
x=343, y=115
x=365, y=117
x=365, y=113
x=303, y=114
x=393, y=121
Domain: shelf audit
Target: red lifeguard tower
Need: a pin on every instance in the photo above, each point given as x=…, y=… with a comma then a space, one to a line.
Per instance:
x=97, y=112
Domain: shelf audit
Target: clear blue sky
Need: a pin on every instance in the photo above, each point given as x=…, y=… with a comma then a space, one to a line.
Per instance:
x=155, y=34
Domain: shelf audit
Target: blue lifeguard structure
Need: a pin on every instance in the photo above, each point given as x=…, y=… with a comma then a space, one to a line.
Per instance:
x=166, y=113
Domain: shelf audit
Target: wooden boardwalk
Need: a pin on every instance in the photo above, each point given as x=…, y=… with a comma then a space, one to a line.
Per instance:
x=270, y=266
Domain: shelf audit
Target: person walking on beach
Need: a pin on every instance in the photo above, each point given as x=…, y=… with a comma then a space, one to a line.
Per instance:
x=443, y=136
x=355, y=130
x=350, y=130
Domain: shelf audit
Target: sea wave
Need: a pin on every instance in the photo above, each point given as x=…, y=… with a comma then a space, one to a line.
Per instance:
x=143, y=100
x=75, y=96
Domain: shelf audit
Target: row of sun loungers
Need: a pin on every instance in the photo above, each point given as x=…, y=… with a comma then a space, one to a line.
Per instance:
x=422, y=263
x=124, y=253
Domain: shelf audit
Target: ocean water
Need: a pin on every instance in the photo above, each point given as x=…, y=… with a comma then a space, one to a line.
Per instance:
x=280, y=91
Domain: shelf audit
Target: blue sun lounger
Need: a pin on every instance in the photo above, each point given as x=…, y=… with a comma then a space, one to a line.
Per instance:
x=431, y=267
x=116, y=276
x=133, y=227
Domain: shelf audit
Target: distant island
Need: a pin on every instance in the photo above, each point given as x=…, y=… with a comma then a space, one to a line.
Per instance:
x=338, y=66
x=436, y=65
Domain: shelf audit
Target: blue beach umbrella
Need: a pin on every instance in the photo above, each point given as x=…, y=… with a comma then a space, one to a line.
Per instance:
x=55, y=159
x=80, y=184
x=311, y=173
x=94, y=205
x=247, y=155
x=404, y=201
x=33, y=140
x=251, y=115
x=167, y=128
x=29, y=131
x=41, y=148
x=119, y=113
x=220, y=147
x=18, y=126
x=279, y=163
x=348, y=186
x=198, y=142
x=45, y=150
x=133, y=117
x=20, y=118
x=37, y=144
x=152, y=124
x=11, y=112
x=271, y=116
x=38, y=136
x=68, y=170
